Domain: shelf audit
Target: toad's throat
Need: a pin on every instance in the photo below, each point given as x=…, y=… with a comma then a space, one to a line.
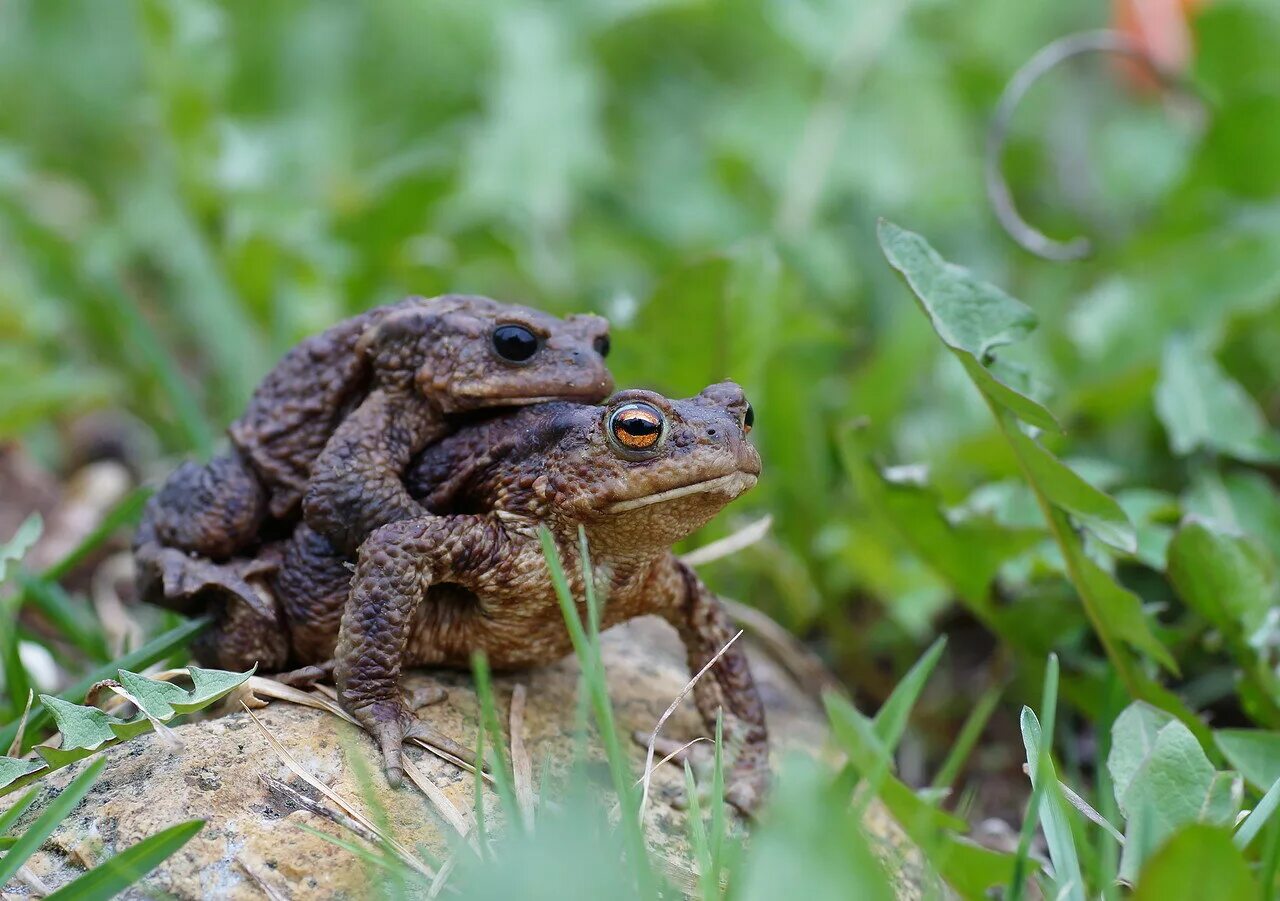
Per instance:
x=735, y=482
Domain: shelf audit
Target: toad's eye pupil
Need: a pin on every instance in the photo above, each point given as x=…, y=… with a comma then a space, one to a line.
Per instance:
x=749, y=419
x=514, y=342
x=637, y=426
x=602, y=345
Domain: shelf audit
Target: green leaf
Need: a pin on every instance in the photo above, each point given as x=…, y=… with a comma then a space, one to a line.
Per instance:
x=86, y=730
x=154, y=650
x=1118, y=610
x=1232, y=582
x=16, y=547
x=1163, y=781
x=1238, y=502
x=1254, y=752
x=1052, y=813
x=12, y=769
x=1229, y=580
x=1203, y=408
x=113, y=876
x=971, y=316
x=1197, y=862
x=34, y=835
x=1063, y=488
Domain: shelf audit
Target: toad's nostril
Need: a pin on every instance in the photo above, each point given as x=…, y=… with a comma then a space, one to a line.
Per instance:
x=711, y=433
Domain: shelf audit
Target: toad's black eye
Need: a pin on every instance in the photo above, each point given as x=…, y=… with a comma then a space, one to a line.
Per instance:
x=748, y=419
x=602, y=345
x=514, y=343
x=636, y=426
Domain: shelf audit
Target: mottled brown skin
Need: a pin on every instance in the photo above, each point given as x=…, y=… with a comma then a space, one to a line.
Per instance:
x=332, y=428
x=435, y=589
x=334, y=424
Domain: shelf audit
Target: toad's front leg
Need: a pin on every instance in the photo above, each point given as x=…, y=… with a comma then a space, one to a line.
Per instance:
x=397, y=564
x=357, y=481
x=727, y=688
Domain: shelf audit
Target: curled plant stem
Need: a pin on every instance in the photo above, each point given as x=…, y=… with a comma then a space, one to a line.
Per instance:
x=1049, y=57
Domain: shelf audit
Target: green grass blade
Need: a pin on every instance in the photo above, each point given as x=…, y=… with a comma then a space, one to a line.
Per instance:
x=890, y=720
x=1258, y=817
x=153, y=651
x=125, y=512
x=11, y=816
x=489, y=712
x=588, y=653
x=58, y=810
x=965, y=742
x=73, y=619
x=113, y=876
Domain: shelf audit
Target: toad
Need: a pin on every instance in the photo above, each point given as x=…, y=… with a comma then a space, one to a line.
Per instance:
x=334, y=424
x=330, y=430
x=636, y=475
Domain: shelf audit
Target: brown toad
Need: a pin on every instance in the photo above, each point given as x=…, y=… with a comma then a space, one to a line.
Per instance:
x=332, y=428
x=637, y=475
x=334, y=424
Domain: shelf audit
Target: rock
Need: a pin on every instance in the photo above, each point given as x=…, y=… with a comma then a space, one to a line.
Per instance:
x=253, y=836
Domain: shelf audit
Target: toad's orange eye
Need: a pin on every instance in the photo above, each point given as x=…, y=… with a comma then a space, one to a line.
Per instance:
x=636, y=426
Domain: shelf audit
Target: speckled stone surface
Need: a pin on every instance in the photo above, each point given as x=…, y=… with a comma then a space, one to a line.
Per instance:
x=145, y=787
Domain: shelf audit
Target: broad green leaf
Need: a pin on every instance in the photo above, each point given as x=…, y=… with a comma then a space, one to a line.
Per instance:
x=1229, y=580
x=1053, y=814
x=810, y=837
x=59, y=808
x=1254, y=752
x=1197, y=862
x=971, y=316
x=1163, y=781
x=1118, y=609
x=1232, y=582
x=12, y=769
x=86, y=730
x=113, y=876
x=1063, y=488
x=1203, y=408
x=154, y=650
x=17, y=546
x=1240, y=502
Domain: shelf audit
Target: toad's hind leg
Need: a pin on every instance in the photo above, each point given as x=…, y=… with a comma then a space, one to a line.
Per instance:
x=727, y=689
x=214, y=510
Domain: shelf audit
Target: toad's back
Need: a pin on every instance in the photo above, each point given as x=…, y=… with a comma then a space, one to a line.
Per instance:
x=298, y=405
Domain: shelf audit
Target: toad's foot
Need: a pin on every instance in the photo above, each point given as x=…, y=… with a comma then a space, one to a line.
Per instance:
x=392, y=723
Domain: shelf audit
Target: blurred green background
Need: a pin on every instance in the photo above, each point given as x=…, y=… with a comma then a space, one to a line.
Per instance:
x=188, y=188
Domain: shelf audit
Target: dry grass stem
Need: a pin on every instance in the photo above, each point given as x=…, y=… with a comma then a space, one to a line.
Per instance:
x=688, y=687
x=521, y=765
x=343, y=805
x=15, y=749
x=674, y=754
x=446, y=808
x=730, y=544
x=271, y=893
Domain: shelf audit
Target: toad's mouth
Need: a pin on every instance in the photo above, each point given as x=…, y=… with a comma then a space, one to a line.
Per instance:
x=735, y=483
x=586, y=395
